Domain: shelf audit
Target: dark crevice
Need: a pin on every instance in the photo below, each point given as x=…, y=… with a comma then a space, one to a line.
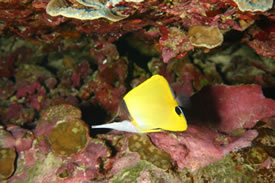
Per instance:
x=221, y=74
x=94, y=115
x=269, y=92
x=233, y=36
x=133, y=55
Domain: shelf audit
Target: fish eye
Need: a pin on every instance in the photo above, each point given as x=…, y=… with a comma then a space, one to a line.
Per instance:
x=178, y=110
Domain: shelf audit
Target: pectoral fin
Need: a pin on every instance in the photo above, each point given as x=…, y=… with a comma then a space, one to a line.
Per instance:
x=125, y=125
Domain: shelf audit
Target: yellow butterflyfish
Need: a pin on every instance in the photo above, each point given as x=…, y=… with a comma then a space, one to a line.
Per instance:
x=151, y=107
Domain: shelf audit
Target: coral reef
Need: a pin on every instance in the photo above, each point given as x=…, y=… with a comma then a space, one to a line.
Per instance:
x=203, y=36
x=247, y=5
x=66, y=64
x=142, y=145
x=7, y=159
x=88, y=10
x=60, y=148
x=246, y=108
x=199, y=147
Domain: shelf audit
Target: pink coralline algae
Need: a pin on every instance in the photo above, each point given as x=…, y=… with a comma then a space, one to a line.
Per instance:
x=17, y=114
x=228, y=110
x=13, y=140
x=173, y=41
x=263, y=40
x=7, y=88
x=59, y=75
x=29, y=20
x=201, y=145
x=61, y=146
x=196, y=148
x=23, y=138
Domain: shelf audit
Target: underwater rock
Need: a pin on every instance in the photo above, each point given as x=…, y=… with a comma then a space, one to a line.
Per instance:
x=31, y=73
x=229, y=108
x=9, y=58
x=256, y=155
x=148, y=152
x=237, y=65
x=144, y=172
x=86, y=165
x=84, y=63
x=19, y=140
x=34, y=166
x=62, y=111
x=135, y=157
x=173, y=42
x=62, y=150
x=16, y=113
x=197, y=148
x=225, y=170
x=7, y=88
x=107, y=85
x=6, y=139
x=61, y=126
x=34, y=94
x=262, y=40
x=104, y=54
x=23, y=138
x=232, y=107
x=125, y=161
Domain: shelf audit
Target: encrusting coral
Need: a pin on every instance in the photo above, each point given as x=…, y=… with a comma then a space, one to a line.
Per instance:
x=204, y=36
x=148, y=152
x=68, y=137
x=7, y=161
x=88, y=10
x=66, y=64
x=254, y=5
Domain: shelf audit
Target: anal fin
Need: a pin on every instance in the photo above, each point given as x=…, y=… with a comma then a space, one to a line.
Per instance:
x=125, y=125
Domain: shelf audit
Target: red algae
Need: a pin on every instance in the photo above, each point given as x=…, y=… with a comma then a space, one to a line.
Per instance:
x=229, y=111
x=195, y=148
x=60, y=75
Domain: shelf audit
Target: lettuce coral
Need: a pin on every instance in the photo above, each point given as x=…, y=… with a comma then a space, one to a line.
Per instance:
x=254, y=5
x=204, y=36
x=87, y=10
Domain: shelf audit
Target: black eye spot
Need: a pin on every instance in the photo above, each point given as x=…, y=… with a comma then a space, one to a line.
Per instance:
x=178, y=110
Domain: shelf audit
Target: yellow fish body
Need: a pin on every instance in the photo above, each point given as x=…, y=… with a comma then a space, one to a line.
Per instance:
x=152, y=107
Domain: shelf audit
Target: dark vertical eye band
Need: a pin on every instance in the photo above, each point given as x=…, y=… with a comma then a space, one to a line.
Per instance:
x=178, y=110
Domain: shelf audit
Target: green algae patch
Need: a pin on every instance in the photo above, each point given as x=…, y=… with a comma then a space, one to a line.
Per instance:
x=225, y=170
x=148, y=152
x=256, y=155
x=144, y=171
x=68, y=137
x=129, y=174
x=251, y=164
x=7, y=161
x=44, y=166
